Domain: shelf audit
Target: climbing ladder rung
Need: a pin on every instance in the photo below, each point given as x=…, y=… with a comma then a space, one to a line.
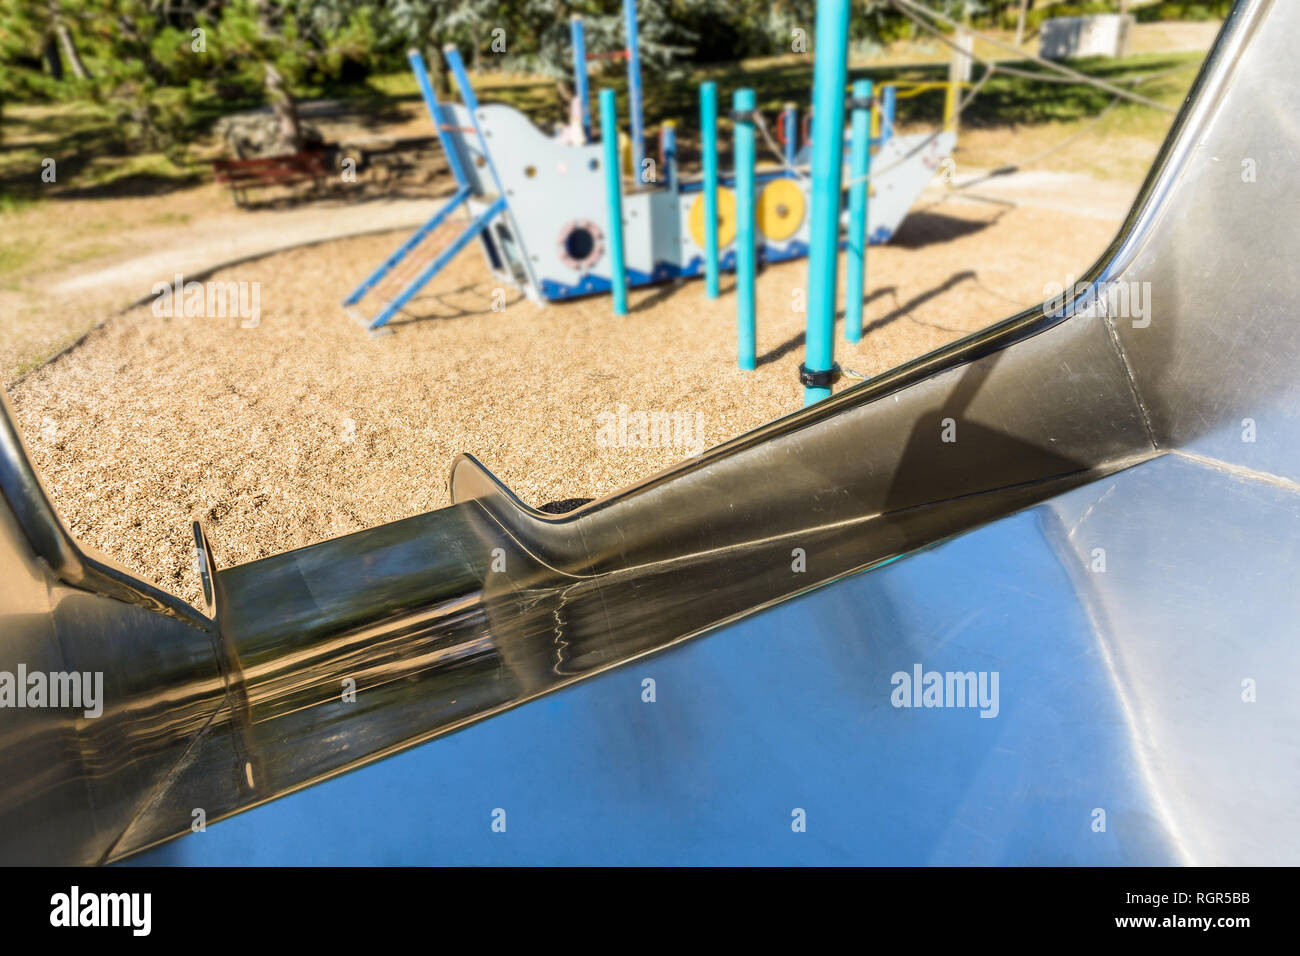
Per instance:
x=416, y=261
x=457, y=200
x=438, y=264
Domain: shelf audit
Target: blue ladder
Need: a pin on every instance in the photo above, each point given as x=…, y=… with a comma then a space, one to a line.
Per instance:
x=404, y=282
x=430, y=267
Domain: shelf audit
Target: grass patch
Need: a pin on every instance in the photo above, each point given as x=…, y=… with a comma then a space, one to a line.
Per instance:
x=13, y=205
x=33, y=255
x=16, y=255
x=90, y=154
x=169, y=219
x=94, y=161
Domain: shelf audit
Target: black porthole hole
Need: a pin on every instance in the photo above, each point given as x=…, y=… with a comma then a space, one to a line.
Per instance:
x=579, y=244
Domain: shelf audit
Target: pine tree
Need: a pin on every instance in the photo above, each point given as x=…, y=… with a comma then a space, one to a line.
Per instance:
x=279, y=44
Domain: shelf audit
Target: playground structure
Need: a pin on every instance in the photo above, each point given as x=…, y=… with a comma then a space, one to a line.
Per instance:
x=560, y=216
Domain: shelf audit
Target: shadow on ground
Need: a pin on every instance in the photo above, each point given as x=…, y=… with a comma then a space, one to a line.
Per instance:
x=921, y=229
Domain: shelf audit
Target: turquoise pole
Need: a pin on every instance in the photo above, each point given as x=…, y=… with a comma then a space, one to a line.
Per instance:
x=829, y=79
x=859, y=166
x=709, y=148
x=613, y=200
x=743, y=104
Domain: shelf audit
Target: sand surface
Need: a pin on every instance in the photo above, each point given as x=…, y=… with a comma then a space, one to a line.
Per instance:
x=304, y=427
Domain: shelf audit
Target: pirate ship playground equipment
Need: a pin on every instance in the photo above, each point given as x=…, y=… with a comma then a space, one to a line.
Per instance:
x=561, y=216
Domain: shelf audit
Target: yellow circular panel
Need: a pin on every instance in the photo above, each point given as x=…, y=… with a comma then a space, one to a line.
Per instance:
x=726, y=218
x=780, y=209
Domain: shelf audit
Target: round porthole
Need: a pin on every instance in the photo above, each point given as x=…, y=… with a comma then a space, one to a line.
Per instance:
x=581, y=244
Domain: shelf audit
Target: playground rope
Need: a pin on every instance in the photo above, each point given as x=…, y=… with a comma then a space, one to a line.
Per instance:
x=775, y=147
x=910, y=9
x=800, y=173
x=1010, y=168
x=1069, y=76
x=991, y=68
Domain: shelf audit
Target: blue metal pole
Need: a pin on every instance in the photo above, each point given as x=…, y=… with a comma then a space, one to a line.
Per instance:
x=709, y=147
x=859, y=166
x=579, y=36
x=435, y=112
x=670, y=154
x=634, y=89
x=888, y=103
x=829, y=78
x=743, y=104
x=614, y=200
x=457, y=65
x=790, y=126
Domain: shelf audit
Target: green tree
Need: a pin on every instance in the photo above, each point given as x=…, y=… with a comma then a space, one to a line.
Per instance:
x=38, y=46
x=282, y=43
